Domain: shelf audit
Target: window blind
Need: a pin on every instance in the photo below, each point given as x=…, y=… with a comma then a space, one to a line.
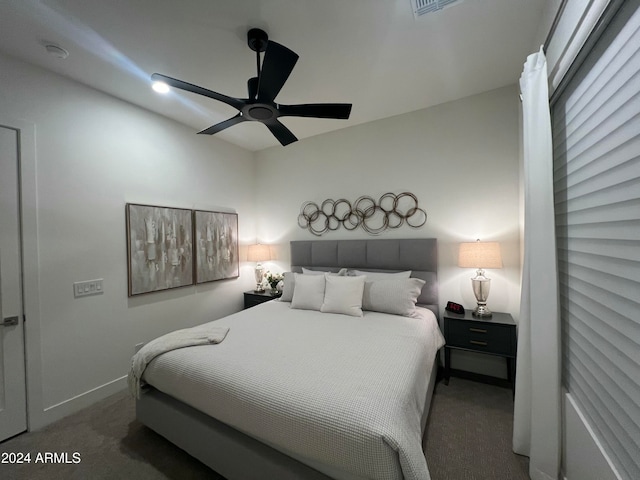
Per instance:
x=596, y=137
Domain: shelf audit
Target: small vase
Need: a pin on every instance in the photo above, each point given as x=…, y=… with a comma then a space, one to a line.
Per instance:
x=275, y=292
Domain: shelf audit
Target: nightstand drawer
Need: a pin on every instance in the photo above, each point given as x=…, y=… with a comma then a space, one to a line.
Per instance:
x=251, y=298
x=252, y=302
x=482, y=337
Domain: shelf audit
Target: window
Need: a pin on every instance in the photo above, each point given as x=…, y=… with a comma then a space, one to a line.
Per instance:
x=596, y=136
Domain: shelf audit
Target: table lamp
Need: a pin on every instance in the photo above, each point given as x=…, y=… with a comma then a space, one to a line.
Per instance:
x=480, y=255
x=258, y=253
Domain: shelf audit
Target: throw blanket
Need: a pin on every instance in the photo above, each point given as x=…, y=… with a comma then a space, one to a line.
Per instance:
x=187, y=337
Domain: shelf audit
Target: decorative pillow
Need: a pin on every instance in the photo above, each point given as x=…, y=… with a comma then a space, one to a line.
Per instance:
x=395, y=296
x=289, y=285
x=343, y=295
x=306, y=271
x=375, y=276
x=308, y=293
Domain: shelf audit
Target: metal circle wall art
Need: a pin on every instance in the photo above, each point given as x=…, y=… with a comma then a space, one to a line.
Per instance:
x=390, y=211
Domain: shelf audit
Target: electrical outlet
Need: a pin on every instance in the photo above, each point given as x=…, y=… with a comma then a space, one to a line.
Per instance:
x=88, y=287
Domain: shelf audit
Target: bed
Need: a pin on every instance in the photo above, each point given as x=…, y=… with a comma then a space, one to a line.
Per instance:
x=304, y=394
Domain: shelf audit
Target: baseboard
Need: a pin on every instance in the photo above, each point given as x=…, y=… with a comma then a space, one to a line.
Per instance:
x=77, y=403
x=538, y=475
x=479, y=377
x=584, y=458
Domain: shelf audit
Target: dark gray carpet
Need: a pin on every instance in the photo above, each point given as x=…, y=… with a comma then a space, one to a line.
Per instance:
x=469, y=433
x=468, y=438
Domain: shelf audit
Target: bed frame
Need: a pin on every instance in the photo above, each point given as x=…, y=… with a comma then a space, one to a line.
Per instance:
x=237, y=456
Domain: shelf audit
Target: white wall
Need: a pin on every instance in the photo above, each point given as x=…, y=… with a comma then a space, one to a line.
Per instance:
x=95, y=153
x=461, y=159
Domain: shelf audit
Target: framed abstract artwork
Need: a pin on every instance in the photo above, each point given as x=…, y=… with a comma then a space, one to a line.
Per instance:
x=216, y=246
x=159, y=248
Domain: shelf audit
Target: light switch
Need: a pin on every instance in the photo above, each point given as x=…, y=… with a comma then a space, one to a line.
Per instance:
x=88, y=287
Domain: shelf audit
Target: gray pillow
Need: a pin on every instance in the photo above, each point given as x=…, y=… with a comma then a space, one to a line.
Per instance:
x=289, y=285
x=396, y=296
x=375, y=276
x=342, y=272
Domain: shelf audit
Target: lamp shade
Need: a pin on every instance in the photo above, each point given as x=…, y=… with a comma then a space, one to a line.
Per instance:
x=480, y=255
x=258, y=253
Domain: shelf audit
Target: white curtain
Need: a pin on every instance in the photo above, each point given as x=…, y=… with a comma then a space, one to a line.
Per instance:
x=537, y=416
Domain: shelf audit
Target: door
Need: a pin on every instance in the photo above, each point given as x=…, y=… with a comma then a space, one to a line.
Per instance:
x=13, y=403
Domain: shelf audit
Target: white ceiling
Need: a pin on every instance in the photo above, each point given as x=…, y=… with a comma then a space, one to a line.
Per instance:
x=372, y=53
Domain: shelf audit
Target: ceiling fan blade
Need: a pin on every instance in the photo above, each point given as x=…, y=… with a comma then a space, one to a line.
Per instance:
x=174, y=82
x=277, y=65
x=318, y=110
x=282, y=133
x=222, y=125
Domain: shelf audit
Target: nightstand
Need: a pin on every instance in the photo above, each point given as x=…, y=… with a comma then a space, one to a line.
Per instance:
x=495, y=335
x=251, y=298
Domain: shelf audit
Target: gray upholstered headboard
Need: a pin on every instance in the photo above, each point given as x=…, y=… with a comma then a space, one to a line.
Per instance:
x=419, y=255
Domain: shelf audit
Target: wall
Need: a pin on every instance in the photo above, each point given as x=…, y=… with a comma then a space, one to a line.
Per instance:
x=461, y=159
x=95, y=153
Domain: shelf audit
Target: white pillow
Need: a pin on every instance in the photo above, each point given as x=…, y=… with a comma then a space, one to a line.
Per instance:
x=308, y=293
x=289, y=283
x=395, y=296
x=306, y=271
x=374, y=276
x=343, y=295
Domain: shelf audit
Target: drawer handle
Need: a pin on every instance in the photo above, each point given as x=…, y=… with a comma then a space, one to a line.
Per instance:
x=477, y=330
x=475, y=342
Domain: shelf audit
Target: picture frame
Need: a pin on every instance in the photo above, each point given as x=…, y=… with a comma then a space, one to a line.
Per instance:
x=216, y=246
x=159, y=248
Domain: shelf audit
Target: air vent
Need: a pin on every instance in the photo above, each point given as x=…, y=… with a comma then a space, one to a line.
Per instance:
x=422, y=7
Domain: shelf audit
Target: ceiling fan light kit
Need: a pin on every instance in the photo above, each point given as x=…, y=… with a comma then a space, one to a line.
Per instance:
x=160, y=87
x=260, y=106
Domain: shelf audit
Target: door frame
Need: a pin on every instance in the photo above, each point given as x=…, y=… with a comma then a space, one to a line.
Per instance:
x=27, y=179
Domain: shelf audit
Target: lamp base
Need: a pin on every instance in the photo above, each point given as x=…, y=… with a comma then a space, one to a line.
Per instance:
x=481, y=311
x=481, y=286
x=259, y=274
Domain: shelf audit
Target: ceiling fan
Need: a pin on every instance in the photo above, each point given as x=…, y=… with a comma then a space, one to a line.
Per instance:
x=277, y=65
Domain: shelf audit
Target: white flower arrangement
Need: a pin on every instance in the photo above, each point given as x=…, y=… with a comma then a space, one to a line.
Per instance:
x=273, y=279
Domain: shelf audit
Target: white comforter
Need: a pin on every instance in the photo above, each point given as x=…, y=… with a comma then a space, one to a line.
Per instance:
x=342, y=394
